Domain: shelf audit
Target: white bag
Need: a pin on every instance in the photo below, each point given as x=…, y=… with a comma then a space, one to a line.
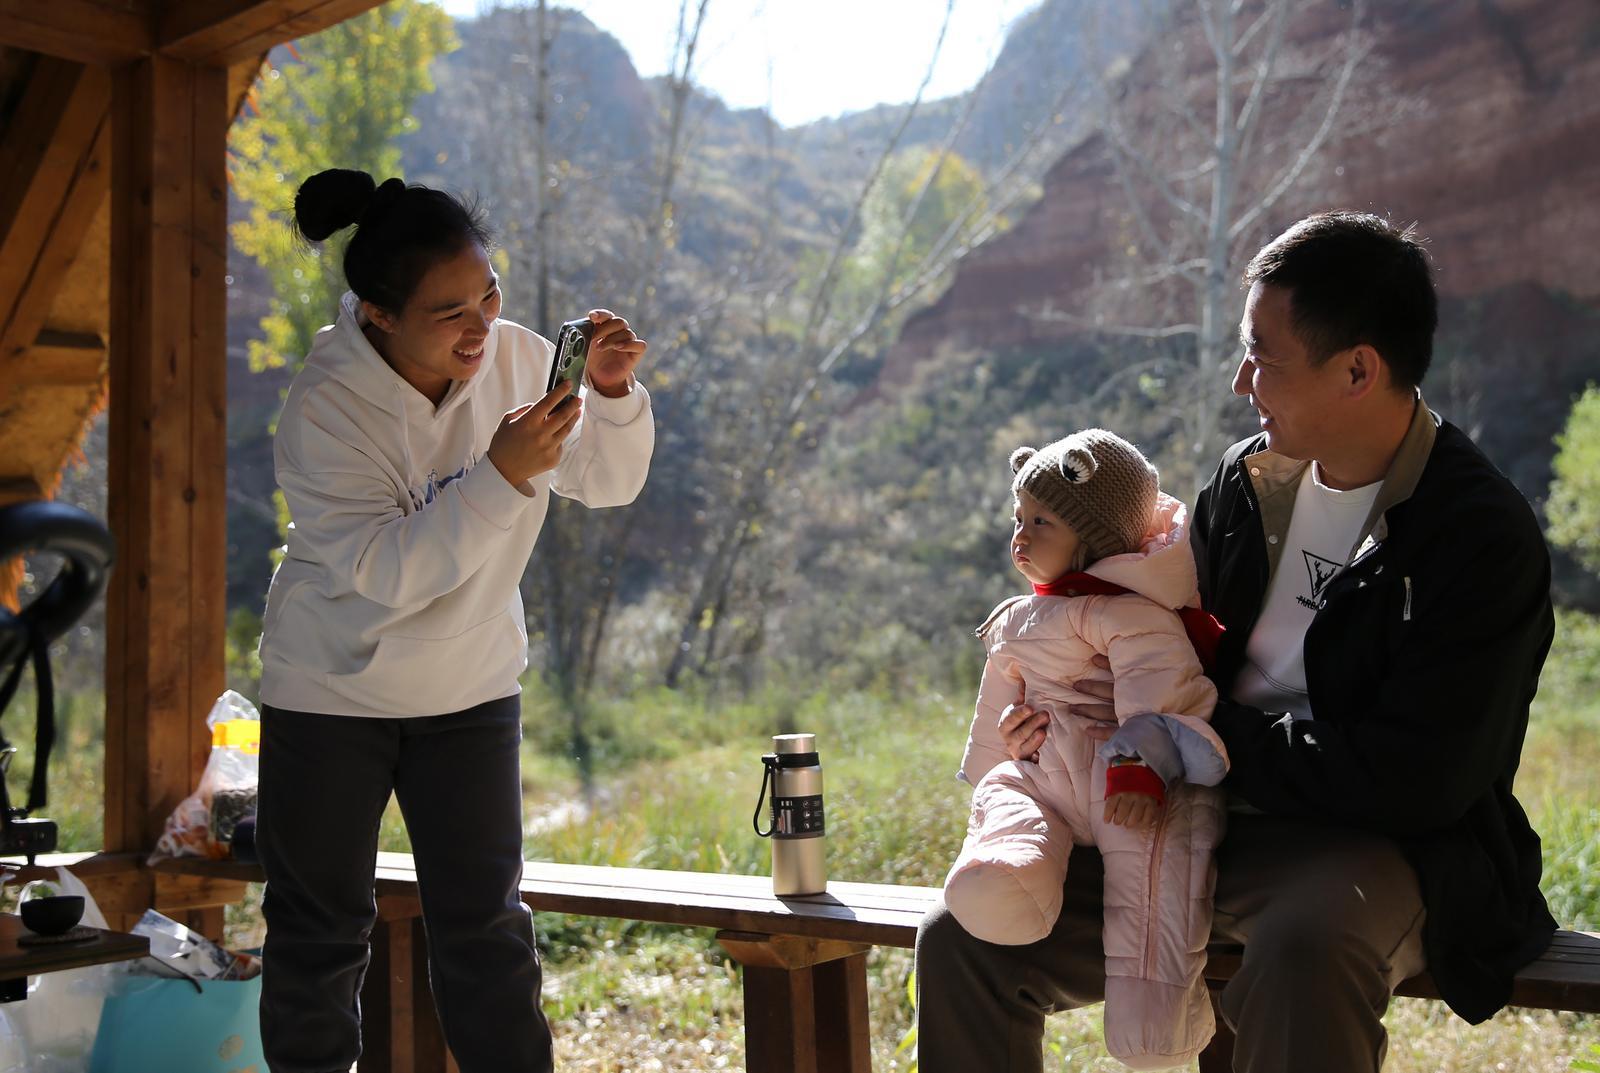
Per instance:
x=53, y=1030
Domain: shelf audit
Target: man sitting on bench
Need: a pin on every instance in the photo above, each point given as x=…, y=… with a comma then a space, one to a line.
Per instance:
x=1386, y=596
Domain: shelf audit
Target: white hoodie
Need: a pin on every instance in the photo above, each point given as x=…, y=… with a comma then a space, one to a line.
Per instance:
x=397, y=594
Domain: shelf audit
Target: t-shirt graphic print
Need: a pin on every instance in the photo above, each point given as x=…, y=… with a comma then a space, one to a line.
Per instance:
x=1321, y=572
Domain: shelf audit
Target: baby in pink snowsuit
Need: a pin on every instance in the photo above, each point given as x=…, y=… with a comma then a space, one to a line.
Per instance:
x=1108, y=555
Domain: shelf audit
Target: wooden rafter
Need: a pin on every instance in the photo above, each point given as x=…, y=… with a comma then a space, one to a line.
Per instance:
x=88, y=31
x=60, y=359
x=16, y=490
x=224, y=32
x=241, y=79
x=216, y=33
x=55, y=176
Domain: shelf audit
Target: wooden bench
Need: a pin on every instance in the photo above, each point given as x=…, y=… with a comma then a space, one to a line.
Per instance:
x=803, y=959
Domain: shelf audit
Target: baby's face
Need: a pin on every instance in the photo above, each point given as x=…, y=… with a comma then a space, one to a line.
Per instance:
x=1043, y=547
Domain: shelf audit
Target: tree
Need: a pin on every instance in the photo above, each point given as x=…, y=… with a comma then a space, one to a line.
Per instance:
x=583, y=224
x=905, y=216
x=341, y=102
x=849, y=297
x=579, y=609
x=1206, y=144
x=1573, y=509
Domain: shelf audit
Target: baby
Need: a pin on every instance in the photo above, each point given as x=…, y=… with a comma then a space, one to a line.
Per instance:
x=1108, y=555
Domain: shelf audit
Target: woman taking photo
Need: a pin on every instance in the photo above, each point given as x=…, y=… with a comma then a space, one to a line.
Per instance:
x=417, y=451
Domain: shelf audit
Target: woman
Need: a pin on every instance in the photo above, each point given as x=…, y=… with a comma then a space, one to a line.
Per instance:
x=417, y=451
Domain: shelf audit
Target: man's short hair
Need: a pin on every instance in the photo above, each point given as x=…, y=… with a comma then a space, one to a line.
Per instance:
x=1355, y=278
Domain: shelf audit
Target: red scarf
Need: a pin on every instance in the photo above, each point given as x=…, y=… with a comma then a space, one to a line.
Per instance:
x=1204, y=631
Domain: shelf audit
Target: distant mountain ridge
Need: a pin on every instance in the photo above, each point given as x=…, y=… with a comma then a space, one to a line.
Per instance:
x=616, y=104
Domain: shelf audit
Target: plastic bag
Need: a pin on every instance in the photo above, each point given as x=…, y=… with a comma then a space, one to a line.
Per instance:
x=202, y=824
x=54, y=1029
x=191, y=954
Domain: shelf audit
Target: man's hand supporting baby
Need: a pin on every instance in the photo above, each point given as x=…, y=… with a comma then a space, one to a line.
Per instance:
x=1135, y=796
x=1022, y=728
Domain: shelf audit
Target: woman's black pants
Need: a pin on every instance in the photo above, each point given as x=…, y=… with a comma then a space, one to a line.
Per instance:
x=325, y=781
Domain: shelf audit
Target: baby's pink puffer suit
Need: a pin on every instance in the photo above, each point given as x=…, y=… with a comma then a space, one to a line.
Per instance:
x=1006, y=886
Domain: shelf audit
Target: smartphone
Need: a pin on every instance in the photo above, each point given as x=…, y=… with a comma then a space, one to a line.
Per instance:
x=572, y=353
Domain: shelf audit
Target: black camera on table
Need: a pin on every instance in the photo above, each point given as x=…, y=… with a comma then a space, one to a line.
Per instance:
x=25, y=836
x=20, y=834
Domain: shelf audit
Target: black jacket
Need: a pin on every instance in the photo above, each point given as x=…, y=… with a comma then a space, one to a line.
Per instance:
x=1421, y=662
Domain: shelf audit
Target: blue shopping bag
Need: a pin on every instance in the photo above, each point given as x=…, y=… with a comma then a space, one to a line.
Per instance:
x=153, y=1024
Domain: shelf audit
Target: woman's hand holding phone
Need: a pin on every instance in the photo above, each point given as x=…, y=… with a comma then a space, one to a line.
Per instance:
x=528, y=441
x=614, y=352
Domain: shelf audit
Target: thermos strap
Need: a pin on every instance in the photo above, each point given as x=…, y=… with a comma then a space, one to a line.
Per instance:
x=768, y=763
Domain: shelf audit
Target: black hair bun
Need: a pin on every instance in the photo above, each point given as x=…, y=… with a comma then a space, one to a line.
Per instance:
x=331, y=200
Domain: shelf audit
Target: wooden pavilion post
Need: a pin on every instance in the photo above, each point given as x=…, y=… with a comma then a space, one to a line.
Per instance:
x=165, y=607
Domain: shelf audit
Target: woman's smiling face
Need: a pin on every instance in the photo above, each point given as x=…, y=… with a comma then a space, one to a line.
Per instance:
x=440, y=335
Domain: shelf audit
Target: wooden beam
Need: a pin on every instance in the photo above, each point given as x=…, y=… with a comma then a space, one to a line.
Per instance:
x=805, y=1003
x=225, y=32
x=241, y=80
x=87, y=31
x=780, y=1022
x=54, y=179
x=58, y=359
x=844, y=1037
x=785, y=951
x=400, y=1030
x=174, y=893
x=164, y=614
x=19, y=488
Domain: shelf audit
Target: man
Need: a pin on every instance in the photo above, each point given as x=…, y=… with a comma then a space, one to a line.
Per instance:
x=1386, y=598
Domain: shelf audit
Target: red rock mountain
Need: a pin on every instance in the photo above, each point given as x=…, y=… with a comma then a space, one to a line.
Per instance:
x=1493, y=148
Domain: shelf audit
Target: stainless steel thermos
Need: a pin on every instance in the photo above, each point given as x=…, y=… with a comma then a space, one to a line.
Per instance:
x=797, y=828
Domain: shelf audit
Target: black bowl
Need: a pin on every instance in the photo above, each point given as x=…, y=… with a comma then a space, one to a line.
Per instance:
x=52, y=916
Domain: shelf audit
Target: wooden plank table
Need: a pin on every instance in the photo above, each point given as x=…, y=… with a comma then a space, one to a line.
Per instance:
x=18, y=962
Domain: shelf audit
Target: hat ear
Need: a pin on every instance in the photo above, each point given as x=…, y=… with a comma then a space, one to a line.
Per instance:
x=1077, y=465
x=1020, y=456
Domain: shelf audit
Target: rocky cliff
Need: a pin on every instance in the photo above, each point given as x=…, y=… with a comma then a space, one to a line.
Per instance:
x=1482, y=123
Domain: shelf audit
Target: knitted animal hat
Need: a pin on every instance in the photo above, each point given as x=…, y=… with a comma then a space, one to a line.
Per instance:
x=1095, y=481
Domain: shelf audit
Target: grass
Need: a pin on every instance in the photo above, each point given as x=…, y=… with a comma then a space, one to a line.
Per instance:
x=676, y=776
x=896, y=815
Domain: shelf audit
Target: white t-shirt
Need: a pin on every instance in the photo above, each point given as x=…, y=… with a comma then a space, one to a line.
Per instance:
x=1322, y=534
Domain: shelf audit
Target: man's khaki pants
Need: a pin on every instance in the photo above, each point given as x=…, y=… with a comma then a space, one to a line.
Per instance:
x=1330, y=919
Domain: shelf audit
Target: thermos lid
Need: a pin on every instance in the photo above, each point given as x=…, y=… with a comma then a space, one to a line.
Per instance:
x=794, y=743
